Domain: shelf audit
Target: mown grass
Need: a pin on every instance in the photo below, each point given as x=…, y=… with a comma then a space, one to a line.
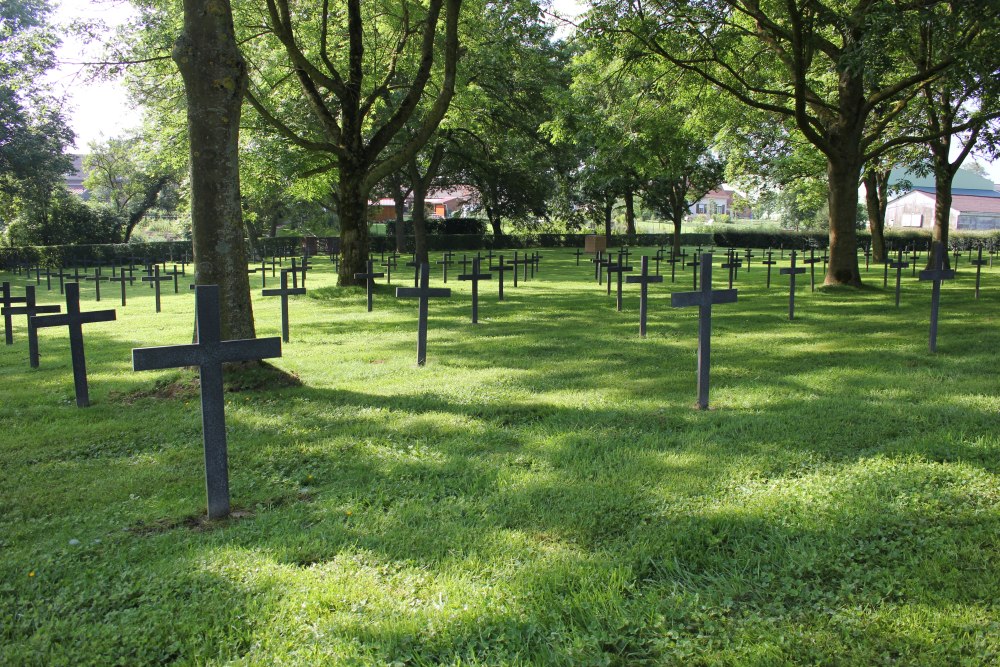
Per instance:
x=542, y=492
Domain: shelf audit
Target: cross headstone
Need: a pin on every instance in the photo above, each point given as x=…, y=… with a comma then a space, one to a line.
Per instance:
x=695, y=263
x=732, y=265
x=475, y=277
x=914, y=256
x=748, y=255
x=6, y=301
x=209, y=353
x=262, y=270
x=957, y=255
x=620, y=269
x=599, y=262
x=156, y=279
x=369, y=278
x=30, y=308
x=643, y=279
x=489, y=259
x=769, y=262
x=48, y=278
x=812, y=268
x=424, y=293
x=122, y=279
x=465, y=263
x=445, y=262
x=96, y=279
x=416, y=269
x=284, y=292
x=899, y=265
x=704, y=298
x=936, y=275
x=501, y=268
x=579, y=253
x=389, y=265
x=791, y=272
x=868, y=256
x=74, y=319
x=979, y=263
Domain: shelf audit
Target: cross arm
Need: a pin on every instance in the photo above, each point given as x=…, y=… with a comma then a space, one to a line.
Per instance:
x=74, y=318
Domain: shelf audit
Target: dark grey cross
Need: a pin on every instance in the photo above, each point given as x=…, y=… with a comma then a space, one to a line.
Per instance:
x=536, y=260
x=515, y=262
x=501, y=268
x=885, y=267
x=696, y=262
x=579, y=253
x=673, y=264
x=957, y=255
x=416, y=269
x=262, y=270
x=812, y=268
x=74, y=319
x=6, y=301
x=122, y=279
x=620, y=269
x=424, y=293
x=369, y=277
x=208, y=354
x=791, y=272
x=899, y=265
x=475, y=277
x=868, y=256
x=936, y=275
x=297, y=269
x=284, y=293
x=914, y=256
x=48, y=278
x=465, y=263
x=599, y=262
x=30, y=308
x=63, y=275
x=826, y=259
x=748, y=255
x=643, y=279
x=979, y=263
x=389, y=265
x=445, y=262
x=525, y=261
x=489, y=259
x=704, y=298
x=156, y=279
x=96, y=279
x=732, y=265
x=625, y=253
x=769, y=262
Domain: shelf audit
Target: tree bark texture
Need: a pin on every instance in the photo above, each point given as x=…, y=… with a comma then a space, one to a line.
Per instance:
x=215, y=79
x=876, y=202
x=630, y=212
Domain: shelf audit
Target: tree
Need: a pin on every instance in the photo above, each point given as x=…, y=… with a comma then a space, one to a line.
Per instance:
x=347, y=92
x=214, y=74
x=809, y=61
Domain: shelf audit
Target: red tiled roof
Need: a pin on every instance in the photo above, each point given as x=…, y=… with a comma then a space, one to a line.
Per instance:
x=969, y=204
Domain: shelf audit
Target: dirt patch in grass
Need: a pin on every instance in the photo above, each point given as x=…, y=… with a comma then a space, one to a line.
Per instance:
x=185, y=385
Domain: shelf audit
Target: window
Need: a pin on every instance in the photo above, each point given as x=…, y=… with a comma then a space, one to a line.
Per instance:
x=700, y=208
x=912, y=220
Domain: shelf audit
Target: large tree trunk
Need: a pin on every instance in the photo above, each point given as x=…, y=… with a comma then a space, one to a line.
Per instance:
x=149, y=198
x=943, y=176
x=215, y=79
x=844, y=175
x=352, y=207
x=630, y=213
x=419, y=218
x=876, y=202
x=678, y=220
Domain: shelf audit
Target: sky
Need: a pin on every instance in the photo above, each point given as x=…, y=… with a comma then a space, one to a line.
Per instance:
x=100, y=109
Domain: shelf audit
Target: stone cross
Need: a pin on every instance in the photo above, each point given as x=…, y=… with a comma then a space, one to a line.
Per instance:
x=121, y=278
x=625, y=253
x=791, y=272
x=465, y=263
x=598, y=271
x=868, y=256
x=389, y=265
x=262, y=270
x=748, y=255
x=620, y=269
x=695, y=262
x=501, y=268
x=209, y=353
x=673, y=265
x=96, y=278
x=732, y=265
x=489, y=259
x=979, y=263
x=156, y=279
x=515, y=262
x=74, y=319
x=6, y=301
x=899, y=265
x=957, y=255
x=30, y=308
x=643, y=279
x=936, y=275
x=416, y=269
x=63, y=275
x=424, y=293
x=369, y=277
x=295, y=270
x=914, y=256
x=579, y=253
x=48, y=278
x=769, y=262
x=812, y=268
x=284, y=293
x=475, y=277
x=445, y=262
x=704, y=299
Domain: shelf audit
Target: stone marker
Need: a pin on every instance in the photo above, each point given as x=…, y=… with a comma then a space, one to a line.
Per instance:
x=747, y=256
x=30, y=308
x=957, y=255
x=791, y=272
x=369, y=276
x=704, y=299
x=501, y=268
x=389, y=265
x=596, y=261
x=284, y=292
x=465, y=263
x=812, y=268
x=6, y=301
x=416, y=269
x=899, y=265
x=643, y=279
x=475, y=277
x=620, y=269
x=695, y=263
x=579, y=253
x=732, y=265
x=979, y=263
x=424, y=293
x=156, y=279
x=74, y=319
x=769, y=262
x=262, y=270
x=936, y=275
x=209, y=353
x=96, y=279
x=445, y=262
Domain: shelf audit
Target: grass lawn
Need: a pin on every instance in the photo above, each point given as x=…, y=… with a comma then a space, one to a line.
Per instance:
x=542, y=492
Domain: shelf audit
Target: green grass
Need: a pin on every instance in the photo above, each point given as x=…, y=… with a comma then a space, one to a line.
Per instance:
x=542, y=492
